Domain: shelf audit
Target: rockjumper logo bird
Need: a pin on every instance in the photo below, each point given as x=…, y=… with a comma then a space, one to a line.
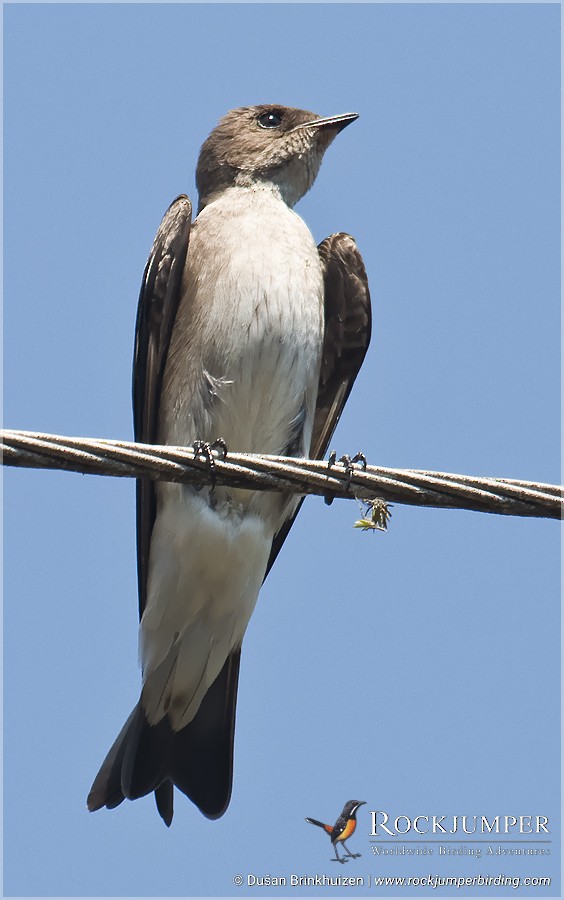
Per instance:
x=342, y=829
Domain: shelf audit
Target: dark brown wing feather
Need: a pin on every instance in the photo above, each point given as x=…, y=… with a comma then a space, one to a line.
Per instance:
x=158, y=304
x=348, y=324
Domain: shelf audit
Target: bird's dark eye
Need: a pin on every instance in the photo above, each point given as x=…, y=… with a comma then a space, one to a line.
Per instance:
x=270, y=120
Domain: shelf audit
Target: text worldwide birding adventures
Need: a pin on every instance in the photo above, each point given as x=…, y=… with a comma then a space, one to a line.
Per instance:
x=250, y=336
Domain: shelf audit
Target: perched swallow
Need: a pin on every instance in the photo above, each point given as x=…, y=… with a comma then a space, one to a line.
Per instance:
x=248, y=332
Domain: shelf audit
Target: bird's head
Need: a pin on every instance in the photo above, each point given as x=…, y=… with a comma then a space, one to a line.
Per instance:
x=275, y=145
x=351, y=807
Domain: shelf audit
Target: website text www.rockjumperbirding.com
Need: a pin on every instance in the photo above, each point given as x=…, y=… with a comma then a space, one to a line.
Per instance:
x=377, y=881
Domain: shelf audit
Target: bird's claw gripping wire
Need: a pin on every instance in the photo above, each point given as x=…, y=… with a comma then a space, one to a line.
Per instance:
x=349, y=463
x=206, y=450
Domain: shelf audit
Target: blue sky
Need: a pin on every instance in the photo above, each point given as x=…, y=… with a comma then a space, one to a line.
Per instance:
x=417, y=670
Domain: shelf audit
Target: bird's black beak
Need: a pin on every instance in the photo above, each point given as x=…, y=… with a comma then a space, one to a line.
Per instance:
x=335, y=122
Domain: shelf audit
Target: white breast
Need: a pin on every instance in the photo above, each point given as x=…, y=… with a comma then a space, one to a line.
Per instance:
x=245, y=354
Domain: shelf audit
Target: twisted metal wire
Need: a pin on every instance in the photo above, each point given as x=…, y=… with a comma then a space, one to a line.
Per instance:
x=301, y=476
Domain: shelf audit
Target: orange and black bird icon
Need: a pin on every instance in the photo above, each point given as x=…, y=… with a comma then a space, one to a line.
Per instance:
x=342, y=829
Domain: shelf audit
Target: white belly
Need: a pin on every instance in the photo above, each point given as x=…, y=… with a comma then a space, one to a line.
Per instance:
x=206, y=572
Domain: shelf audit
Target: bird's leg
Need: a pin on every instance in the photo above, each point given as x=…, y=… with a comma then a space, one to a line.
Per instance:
x=349, y=464
x=352, y=855
x=349, y=469
x=337, y=858
x=203, y=448
x=330, y=462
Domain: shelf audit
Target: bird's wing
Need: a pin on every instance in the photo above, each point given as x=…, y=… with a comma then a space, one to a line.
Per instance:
x=338, y=828
x=158, y=304
x=348, y=325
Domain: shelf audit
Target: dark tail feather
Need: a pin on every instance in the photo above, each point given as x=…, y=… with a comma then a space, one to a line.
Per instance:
x=198, y=759
x=164, y=798
x=315, y=822
x=147, y=750
x=201, y=765
x=106, y=789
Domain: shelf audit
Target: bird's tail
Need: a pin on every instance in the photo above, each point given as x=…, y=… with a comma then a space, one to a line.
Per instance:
x=327, y=828
x=198, y=759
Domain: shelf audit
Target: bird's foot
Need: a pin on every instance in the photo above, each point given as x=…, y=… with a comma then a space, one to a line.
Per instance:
x=220, y=447
x=338, y=859
x=354, y=855
x=330, y=462
x=206, y=450
x=349, y=463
